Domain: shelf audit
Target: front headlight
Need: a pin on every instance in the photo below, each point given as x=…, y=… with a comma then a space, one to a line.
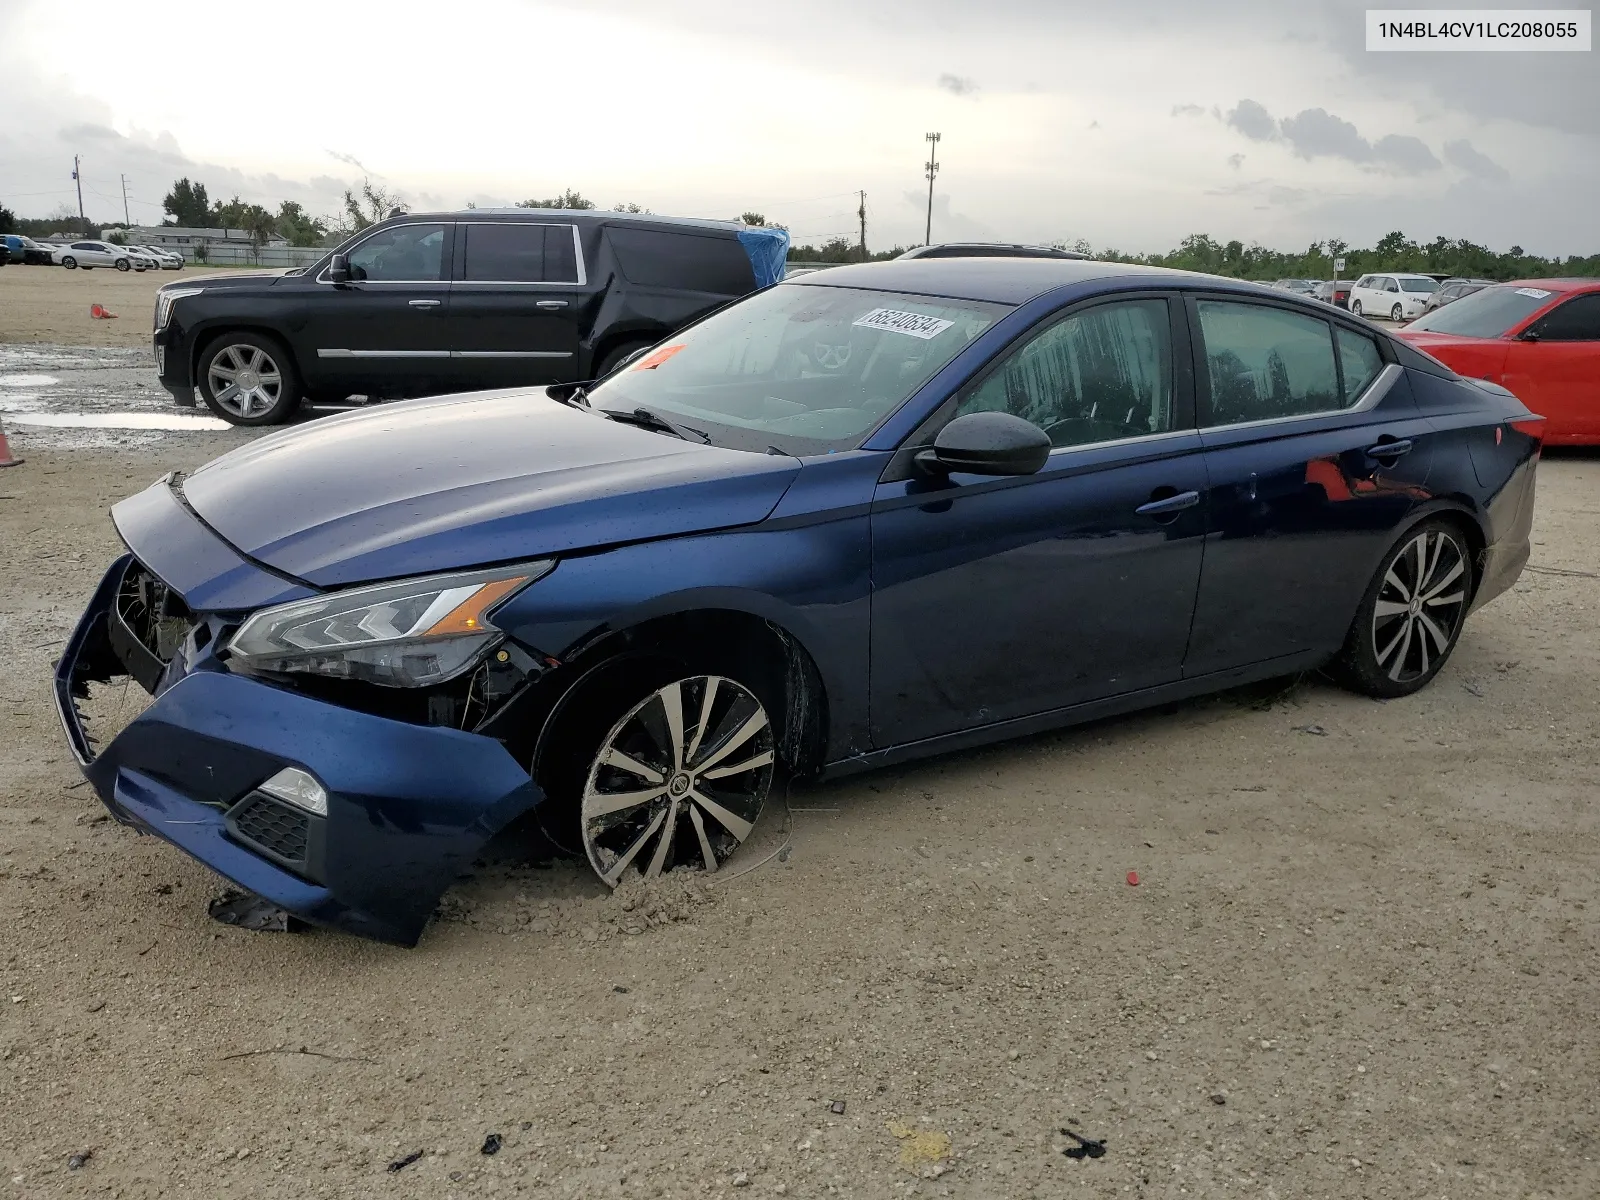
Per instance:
x=166, y=298
x=412, y=633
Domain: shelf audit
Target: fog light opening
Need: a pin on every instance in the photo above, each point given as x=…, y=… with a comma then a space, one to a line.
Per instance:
x=298, y=788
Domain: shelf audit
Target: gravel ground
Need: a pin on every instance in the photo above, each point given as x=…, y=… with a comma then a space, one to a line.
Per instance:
x=1360, y=960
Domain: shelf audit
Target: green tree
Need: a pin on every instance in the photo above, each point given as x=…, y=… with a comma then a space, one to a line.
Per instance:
x=623, y=208
x=187, y=205
x=567, y=199
x=299, y=229
x=371, y=204
x=8, y=220
x=753, y=218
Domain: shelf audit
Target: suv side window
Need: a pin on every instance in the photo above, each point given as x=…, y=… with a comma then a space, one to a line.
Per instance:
x=520, y=252
x=687, y=261
x=403, y=254
x=1264, y=363
x=1098, y=375
x=1578, y=320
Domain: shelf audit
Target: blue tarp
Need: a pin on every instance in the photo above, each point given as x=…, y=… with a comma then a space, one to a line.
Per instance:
x=768, y=250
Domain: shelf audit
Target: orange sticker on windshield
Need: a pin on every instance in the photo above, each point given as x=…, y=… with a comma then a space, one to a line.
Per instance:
x=656, y=357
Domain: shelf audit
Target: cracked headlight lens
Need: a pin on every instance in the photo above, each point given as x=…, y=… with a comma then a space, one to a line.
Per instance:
x=411, y=633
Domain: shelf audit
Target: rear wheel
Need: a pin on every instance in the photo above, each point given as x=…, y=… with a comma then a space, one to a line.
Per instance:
x=1411, y=615
x=248, y=379
x=1355, y=308
x=69, y=262
x=123, y=264
x=618, y=355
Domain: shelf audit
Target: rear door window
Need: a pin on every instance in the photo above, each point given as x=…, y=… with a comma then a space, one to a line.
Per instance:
x=1578, y=320
x=687, y=261
x=1265, y=363
x=520, y=252
x=1359, y=362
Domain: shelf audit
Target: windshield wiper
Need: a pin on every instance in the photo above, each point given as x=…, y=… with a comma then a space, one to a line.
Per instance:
x=645, y=419
x=573, y=396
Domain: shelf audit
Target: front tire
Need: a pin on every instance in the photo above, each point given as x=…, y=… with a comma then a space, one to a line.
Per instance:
x=249, y=379
x=69, y=262
x=123, y=265
x=667, y=768
x=1395, y=314
x=1411, y=616
x=1355, y=308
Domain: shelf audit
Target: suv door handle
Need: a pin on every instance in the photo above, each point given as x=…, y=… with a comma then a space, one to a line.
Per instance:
x=1389, y=449
x=1169, y=505
x=552, y=304
x=424, y=303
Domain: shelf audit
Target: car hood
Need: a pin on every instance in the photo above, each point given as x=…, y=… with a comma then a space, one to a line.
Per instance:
x=442, y=484
x=229, y=279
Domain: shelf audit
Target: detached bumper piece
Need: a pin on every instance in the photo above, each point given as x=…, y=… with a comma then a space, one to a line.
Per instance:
x=407, y=807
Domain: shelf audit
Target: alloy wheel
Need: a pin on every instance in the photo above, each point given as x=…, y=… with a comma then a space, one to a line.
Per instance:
x=244, y=380
x=680, y=779
x=1395, y=314
x=1420, y=605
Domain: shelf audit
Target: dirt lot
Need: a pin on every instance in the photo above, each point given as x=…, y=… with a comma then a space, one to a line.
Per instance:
x=51, y=304
x=1361, y=959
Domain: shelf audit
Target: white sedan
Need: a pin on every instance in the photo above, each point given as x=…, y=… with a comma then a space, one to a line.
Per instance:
x=90, y=255
x=165, y=259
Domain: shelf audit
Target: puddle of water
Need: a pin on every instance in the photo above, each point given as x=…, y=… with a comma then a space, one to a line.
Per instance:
x=28, y=381
x=122, y=420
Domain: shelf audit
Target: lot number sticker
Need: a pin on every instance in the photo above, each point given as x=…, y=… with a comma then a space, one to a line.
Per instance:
x=917, y=325
x=1532, y=293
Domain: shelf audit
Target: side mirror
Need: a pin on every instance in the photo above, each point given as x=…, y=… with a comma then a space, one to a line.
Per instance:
x=339, y=269
x=1529, y=335
x=987, y=443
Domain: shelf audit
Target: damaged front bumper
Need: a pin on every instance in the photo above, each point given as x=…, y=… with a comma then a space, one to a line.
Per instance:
x=408, y=806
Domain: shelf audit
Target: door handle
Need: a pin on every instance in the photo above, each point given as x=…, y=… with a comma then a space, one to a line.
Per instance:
x=1168, y=506
x=552, y=304
x=1393, y=449
x=424, y=303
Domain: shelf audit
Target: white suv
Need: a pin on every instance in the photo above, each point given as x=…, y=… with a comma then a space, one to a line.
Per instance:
x=1396, y=296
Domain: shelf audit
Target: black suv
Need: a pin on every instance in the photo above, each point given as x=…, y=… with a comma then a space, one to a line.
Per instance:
x=421, y=305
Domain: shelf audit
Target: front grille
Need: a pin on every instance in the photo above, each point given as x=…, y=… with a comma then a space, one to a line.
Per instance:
x=153, y=612
x=276, y=830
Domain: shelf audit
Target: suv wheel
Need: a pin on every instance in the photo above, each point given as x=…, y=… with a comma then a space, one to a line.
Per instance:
x=618, y=355
x=248, y=379
x=1411, y=615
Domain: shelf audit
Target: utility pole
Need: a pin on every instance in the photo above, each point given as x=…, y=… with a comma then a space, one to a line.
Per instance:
x=82, y=220
x=862, y=213
x=933, y=169
x=126, y=219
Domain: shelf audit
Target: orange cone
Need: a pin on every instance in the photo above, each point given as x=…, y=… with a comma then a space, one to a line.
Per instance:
x=99, y=313
x=6, y=460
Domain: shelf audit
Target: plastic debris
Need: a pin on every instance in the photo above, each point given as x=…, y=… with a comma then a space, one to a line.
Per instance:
x=100, y=313
x=837, y=1108
x=1133, y=879
x=1313, y=730
x=245, y=911
x=77, y=1161
x=491, y=1144
x=1086, y=1147
x=400, y=1164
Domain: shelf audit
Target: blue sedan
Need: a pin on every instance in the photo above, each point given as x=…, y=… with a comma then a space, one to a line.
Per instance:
x=863, y=516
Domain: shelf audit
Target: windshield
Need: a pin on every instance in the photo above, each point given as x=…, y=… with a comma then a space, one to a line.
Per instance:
x=800, y=369
x=1419, y=285
x=1486, y=314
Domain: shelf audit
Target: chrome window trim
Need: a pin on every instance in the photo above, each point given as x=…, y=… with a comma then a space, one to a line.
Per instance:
x=511, y=354
x=322, y=275
x=577, y=250
x=1371, y=396
x=1165, y=435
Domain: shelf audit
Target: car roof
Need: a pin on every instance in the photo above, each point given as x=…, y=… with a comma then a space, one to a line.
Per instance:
x=976, y=249
x=1003, y=280
x=581, y=216
x=1572, y=283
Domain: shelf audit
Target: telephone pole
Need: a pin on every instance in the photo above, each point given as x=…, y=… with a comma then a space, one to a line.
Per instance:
x=933, y=169
x=862, y=213
x=82, y=220
x=126, y=219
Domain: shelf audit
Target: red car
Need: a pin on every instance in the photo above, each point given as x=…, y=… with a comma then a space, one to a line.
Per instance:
x=1538, y=337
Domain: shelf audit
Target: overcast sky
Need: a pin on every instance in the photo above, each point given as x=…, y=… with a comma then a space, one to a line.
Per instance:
x=1129, y=124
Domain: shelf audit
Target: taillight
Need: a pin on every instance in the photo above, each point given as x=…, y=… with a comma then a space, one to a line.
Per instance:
x=1530, y=425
